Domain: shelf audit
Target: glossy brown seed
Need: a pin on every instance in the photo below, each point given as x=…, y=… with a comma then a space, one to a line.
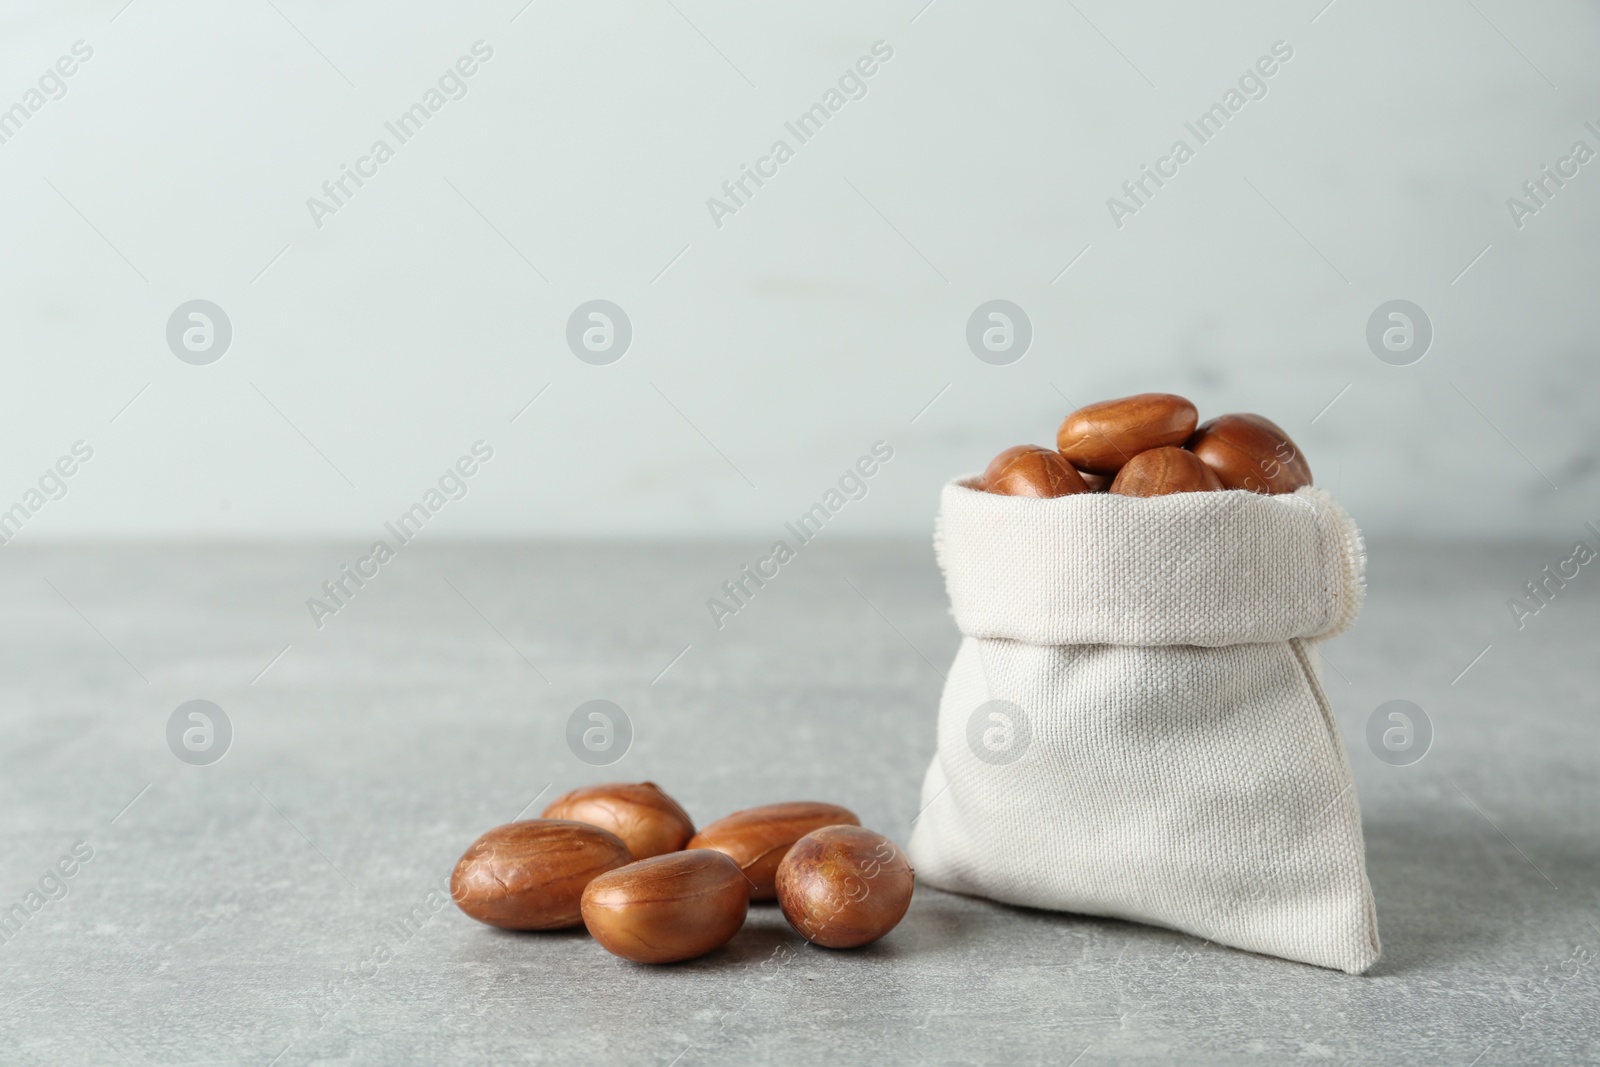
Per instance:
x=998, y=463
x=1028, y=470
x=844, y=886
x=1250, y=452
x=1097, y=483
x=530, y=875
x=667, y=908
x=1160, y=471
x=1102, y=437
x=648, y=821
x=757, y=838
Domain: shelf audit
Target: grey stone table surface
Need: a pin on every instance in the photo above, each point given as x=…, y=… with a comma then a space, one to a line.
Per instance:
x=254, y=910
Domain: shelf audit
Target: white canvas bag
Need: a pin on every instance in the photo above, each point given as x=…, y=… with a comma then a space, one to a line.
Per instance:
x=1134, y=725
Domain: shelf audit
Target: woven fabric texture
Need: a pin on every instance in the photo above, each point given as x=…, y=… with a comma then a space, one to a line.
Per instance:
x=1187, y=569
x=1134, y=726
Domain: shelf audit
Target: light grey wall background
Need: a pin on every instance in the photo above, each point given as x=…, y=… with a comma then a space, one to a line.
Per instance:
x=830, y=311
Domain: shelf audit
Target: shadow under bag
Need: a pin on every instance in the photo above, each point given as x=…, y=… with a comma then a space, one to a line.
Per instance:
x=1134, y=725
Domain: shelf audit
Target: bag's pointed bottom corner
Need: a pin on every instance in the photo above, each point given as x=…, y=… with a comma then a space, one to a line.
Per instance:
x=1354, y=954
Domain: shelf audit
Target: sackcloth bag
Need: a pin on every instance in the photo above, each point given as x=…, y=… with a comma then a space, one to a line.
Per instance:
x=1134, y=725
